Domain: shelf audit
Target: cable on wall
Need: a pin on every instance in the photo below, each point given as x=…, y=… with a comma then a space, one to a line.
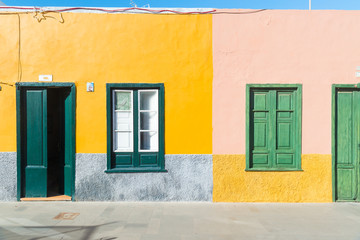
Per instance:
x=19, y=51
x=40, y=15
x=19, y=75
x=118, y=10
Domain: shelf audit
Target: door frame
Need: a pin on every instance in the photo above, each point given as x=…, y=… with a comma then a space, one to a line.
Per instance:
x=20, y=85
x=334, y=89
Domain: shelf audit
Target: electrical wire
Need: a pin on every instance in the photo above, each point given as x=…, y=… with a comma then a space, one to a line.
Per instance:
x=38, y=10
x=19, y=52
x=19, y=76
x=239, y=13
x=8, y=84
x=39, y=16
x=118, y=10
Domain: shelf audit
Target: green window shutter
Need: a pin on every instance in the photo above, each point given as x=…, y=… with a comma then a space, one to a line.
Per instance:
x=273, y=122
x=260, y=129
x=285, y=129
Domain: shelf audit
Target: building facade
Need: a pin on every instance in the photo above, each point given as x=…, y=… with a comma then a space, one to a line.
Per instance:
x=220, y=105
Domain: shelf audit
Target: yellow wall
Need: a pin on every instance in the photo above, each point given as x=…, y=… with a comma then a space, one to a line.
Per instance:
x=233, y=184
x=109, y=48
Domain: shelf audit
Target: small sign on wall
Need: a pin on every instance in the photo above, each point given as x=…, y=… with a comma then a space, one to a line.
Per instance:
x=45, y=78
x=90, y=87
x=357, y=73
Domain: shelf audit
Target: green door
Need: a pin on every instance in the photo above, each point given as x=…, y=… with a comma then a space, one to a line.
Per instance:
x=68, y=141
x=347, y=144
x=35, y=142
x=46, y=139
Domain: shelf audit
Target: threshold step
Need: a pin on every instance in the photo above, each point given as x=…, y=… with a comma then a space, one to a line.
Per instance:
x=54, y=198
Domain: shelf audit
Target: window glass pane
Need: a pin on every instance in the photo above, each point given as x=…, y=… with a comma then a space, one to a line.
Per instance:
x=148, y=100
x=122, y=100
x=123, y=140
x=148, y=121
x=123, y=121
x=149, y=141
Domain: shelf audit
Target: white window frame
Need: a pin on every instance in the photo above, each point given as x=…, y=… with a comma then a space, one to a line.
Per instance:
x=157, y=120
x=131, y=148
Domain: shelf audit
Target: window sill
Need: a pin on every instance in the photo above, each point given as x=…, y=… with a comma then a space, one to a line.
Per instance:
x=273, y=170
x=136, y=170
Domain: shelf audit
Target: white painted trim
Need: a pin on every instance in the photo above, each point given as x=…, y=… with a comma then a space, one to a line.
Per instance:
x=157, y=120
x=131, y=148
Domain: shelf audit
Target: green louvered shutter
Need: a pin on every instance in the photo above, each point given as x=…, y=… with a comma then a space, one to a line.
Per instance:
x=274, y=128
x=260, y=129
x=285, y=129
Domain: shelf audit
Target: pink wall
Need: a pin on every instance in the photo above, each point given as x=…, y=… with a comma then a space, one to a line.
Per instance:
x=314, y=48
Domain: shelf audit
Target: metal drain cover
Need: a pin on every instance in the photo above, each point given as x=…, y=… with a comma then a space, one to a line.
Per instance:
x=66, y=216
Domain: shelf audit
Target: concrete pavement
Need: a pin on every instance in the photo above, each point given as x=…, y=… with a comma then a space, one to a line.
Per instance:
x=179, y=221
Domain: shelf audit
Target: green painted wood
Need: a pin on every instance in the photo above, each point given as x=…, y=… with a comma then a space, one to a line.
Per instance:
x=286, y=131
x=333, y=141
x=248, y=120
x=161, y=155
x=346, y=140
x=45, y=84
x=36, y=143
x=68, y=141
x=109, y=136
x=135, y=153
x=18, y=142
x=73, y=138
x=273, y=127
x=261, y=138
x=127, y=162
x=21, y=135
x=136, y=170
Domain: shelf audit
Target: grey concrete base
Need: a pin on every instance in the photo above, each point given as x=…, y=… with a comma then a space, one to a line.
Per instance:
x=189, y=178
x=8, y=176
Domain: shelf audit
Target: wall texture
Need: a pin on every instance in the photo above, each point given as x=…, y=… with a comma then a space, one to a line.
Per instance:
x=312, y=48
x=233, y=184
x=129, y=48
x=8, y=176
x=116, y=48
x=189, y=178
x=205, y=62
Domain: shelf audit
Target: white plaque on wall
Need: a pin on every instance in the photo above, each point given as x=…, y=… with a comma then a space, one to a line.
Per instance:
x=45, y=78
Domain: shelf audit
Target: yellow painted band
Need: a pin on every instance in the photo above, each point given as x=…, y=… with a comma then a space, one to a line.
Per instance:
x=233, y=184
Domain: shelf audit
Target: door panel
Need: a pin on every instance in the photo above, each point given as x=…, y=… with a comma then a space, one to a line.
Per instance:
x=69, y=141
x=36, y=143
x=347, y=144
x=285, y=129
x=346, y=184
x=260, y=128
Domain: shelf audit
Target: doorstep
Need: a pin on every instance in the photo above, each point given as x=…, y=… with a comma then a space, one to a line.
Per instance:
x=54, y=198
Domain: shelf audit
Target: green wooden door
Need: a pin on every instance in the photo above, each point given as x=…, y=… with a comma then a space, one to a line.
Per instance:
x=347, y=134
x=68, y=141
x=35, y=142
x=45, y=111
